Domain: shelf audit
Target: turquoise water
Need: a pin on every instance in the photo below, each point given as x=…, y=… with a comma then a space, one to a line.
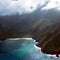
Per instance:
x=22, y=49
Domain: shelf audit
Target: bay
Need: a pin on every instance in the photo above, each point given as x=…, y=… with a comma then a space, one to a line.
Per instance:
x=22, y=49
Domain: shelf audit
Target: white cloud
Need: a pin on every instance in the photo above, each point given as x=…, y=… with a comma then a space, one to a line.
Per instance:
x=52, y=4
x=21, y=6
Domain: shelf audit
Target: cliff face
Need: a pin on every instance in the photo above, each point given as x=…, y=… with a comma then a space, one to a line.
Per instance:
x=50, y=41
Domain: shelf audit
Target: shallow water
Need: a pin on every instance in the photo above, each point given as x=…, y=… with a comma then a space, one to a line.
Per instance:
x=22, y=49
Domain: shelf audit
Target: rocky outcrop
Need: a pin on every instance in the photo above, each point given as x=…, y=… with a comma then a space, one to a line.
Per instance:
x=50, y=43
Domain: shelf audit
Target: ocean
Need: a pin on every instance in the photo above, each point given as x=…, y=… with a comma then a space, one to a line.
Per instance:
x=22, y=49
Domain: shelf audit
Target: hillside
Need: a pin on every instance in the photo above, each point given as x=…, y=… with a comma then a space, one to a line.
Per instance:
x=43, y=26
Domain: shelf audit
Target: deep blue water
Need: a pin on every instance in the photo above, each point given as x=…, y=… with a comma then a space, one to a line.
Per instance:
x=22, y=49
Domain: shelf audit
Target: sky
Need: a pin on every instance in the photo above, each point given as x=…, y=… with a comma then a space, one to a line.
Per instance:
x=25, y=6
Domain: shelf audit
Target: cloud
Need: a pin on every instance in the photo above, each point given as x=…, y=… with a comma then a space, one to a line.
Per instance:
x=20, y=6
x=52, y=4
x=8, y=7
